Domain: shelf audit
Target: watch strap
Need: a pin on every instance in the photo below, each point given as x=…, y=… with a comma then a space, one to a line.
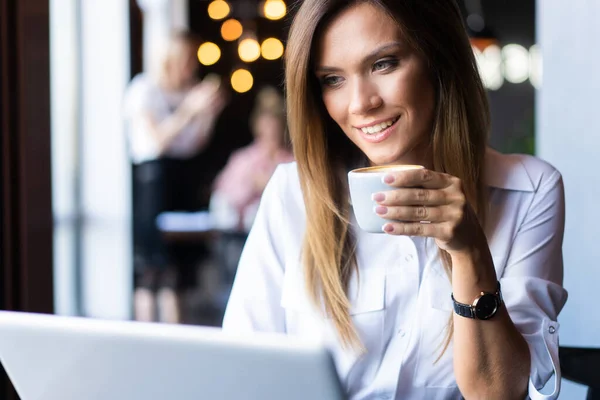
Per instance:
x=464, y=310
x=468, y=310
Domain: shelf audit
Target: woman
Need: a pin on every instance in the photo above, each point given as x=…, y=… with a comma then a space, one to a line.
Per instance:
x=395, y=82
x=170, y=115
x=241, y=183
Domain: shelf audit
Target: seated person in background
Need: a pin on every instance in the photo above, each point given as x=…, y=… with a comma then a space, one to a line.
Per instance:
x=239, y=186
x=170, y=116
x=383, y=82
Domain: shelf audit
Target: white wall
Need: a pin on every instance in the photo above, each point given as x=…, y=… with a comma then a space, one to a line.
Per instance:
x=568, y=136
x=64, y=107
x=107, y=248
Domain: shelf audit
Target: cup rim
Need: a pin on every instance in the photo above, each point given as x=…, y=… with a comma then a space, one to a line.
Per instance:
x=385, y=168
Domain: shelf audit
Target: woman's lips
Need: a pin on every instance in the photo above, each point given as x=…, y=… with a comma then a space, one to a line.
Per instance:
x=379, y=136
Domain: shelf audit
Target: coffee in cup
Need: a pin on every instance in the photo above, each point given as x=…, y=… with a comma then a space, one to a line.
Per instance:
x=364, y=182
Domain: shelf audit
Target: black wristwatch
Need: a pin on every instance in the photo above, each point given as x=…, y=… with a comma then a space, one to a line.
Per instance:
x=484, y=306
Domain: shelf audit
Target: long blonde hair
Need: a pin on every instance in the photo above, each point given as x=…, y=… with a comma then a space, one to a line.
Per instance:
x=435, y=29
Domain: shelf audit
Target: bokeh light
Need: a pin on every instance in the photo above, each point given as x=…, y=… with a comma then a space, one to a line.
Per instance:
x=218, y=9
x=231, y=30
x=249, y=50
x=516, y=63
x=535, y=66
x=274, y=9
x=489, y=63
x=271, y=49
x=208, y=53
x=242, y=80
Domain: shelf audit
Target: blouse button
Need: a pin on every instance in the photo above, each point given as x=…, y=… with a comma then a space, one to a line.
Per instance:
x=552, y=329
x=408, y=258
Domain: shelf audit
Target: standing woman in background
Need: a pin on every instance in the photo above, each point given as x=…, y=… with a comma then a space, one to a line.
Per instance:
x=384, y=82
x=170, y=115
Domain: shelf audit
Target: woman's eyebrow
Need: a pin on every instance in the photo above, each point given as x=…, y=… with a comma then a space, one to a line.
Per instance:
x=324, y=69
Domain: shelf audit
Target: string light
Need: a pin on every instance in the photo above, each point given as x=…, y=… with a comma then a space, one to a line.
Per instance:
x=535, y=66
x=516, y=63
x=274, y=9
x=208, y=53
x=218, y=9
x=231, y=30
x=512, y=63
x=271, y=49
x=249, y=50
x=489, y=63
x=242, y=81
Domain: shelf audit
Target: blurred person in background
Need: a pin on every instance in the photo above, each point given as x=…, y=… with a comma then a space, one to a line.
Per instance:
x=170, y=115
x=239, y=186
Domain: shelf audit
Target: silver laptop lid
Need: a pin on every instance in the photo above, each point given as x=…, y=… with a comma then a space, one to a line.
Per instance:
x=64, y=358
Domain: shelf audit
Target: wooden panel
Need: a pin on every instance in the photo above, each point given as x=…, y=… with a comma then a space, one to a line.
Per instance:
x=34, y=149
x=136, y=27
x=25, y=187
x=26, y=175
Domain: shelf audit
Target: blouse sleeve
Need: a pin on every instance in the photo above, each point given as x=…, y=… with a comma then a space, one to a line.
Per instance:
x=141, y=101
x=532, y=282
x=254, y=303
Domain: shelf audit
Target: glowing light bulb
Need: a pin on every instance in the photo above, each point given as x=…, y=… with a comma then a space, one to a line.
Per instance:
x=208, y=53
x=242, y=81
x=249, y=50
x=274, y=9
x=231, y=30
x=516, y=63
x=271, y=49
x=218, y=9
x=535, y=66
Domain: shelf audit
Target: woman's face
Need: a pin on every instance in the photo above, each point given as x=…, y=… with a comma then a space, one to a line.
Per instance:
x=183, y=65
x=375, y=87
x=268, y=129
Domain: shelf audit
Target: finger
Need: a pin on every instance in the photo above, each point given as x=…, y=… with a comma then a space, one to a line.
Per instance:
x=412, y=197
x=424, y=178
x=412, y=213
x=411, y=229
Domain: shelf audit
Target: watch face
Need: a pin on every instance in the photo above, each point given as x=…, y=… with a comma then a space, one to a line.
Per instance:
x=486, y=306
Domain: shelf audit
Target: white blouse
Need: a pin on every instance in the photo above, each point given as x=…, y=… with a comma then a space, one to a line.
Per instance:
x=403, y=306
x=144, y=98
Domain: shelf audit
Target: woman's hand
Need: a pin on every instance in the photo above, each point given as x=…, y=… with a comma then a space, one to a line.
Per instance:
x=205, y=97
x=432, y=204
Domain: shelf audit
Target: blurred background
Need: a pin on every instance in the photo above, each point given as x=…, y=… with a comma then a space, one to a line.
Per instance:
x=114, y=78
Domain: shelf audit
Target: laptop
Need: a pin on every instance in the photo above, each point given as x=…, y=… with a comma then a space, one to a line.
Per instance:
x=50, y=357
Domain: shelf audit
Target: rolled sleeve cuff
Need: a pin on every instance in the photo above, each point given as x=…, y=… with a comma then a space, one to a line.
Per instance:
x=533, y=305
x=545, y=365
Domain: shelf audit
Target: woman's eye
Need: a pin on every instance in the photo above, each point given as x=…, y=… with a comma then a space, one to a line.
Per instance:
x=384, y=64
x=332, y=80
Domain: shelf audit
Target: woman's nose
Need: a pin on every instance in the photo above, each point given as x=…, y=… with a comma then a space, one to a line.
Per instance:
x=364, y=97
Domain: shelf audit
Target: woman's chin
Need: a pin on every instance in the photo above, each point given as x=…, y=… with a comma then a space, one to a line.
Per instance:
x=396, y=158
x=379, y=161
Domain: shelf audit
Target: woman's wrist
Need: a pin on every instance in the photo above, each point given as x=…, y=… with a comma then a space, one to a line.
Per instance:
x=472, y=273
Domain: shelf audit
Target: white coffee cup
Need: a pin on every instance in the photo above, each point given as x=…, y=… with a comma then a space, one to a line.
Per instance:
x=364, y=182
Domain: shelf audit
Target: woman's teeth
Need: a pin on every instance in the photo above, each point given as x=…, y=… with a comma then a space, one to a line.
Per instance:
x=379, y=127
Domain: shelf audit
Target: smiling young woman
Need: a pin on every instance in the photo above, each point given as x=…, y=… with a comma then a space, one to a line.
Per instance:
x=395, y=82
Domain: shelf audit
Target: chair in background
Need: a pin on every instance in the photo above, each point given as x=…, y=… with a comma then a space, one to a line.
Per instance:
x=582, y=365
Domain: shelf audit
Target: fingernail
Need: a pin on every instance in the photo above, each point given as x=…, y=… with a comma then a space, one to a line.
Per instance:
x=378, y=197
x=381, y=210
x=388, y=179
x=388, y=228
